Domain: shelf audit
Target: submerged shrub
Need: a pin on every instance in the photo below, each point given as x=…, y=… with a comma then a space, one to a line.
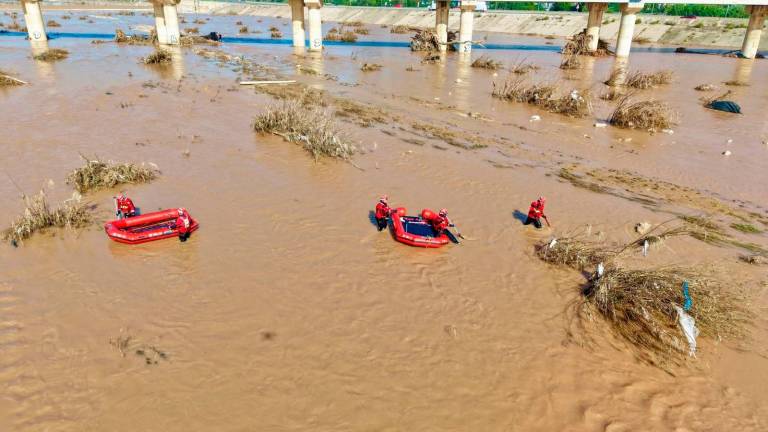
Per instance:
x=38, y=216
x=97, y=174
x=313, y=128
x=647, y=114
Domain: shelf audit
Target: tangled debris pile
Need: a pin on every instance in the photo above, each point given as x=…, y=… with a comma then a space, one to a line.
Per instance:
x=644, y=307
x=313, y=128
x=545, y=95
x=97, y=174
x=648, y=114
x=39, y=216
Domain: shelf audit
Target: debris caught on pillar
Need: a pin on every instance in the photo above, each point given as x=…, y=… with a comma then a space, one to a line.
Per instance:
x=578, y=44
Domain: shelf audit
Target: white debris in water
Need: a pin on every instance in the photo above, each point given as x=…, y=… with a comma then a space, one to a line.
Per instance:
x=552, y=243
x=600, y=125
x=668, y=131
x=727, y=153
x=600, y=270
x=729, y=140
x=458, y=80
x=645, y=248
x=535, y=118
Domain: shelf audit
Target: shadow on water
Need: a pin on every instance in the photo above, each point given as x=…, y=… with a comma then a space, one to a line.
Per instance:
x=381, y=44
x=517, y=214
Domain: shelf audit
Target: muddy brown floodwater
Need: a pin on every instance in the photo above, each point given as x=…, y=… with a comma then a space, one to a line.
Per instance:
x=287, y=310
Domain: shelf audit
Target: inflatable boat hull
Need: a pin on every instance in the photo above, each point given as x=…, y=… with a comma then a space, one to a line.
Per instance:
x=413, y=231
x=147, y=227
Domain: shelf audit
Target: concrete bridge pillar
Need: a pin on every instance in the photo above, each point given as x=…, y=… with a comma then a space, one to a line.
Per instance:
x=442, y=10
x=594, y=21
x=627, y=28
x=754, y=31
x=166, y=23
x=465, y=25
x=297, y=22
x=33, y=18
x=315, y=25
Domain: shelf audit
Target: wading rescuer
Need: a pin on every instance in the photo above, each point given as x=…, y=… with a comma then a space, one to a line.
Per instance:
x=536, y=212
x=124, y=206
x=382, y=212
x=439, y=221
x=182, y=224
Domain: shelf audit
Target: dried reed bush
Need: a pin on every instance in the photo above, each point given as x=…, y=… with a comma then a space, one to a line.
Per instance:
x=576, y=252
x=242, y=29
x=754, y=259
x=578, y=44
x=52, y=23
x=545, y=95
x=570, y=61
x=38, y=216
x=399, y=29
x=135, y=39
x=647, y=114
x=704, y=87
x=275, y=33
x=361, y=31
x=97, y=174
x=53, y=54
x=522, y=67
x=639, y=80
x=335, y=34
x=485, y=62
x=7, y=80
x=356, y=24
x=639, y=305
x=313, y=128
x=426, y=40
x=370, y=67
x=160, y=56
x=192, y=30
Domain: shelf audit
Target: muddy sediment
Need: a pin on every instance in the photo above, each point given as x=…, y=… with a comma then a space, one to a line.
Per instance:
x=288, y=310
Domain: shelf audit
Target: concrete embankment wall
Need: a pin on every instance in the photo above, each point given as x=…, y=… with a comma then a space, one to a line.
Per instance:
x=705, y=31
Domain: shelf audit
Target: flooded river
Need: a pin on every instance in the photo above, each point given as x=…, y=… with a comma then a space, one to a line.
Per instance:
x=287, y=310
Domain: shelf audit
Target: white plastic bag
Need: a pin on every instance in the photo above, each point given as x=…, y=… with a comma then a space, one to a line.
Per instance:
x=688, y=324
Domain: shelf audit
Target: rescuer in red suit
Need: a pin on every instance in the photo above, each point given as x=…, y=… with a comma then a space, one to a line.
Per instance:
x=382, y=212
x=536, y=212
x=182, y=224
x=439, y=221
x=125, y=207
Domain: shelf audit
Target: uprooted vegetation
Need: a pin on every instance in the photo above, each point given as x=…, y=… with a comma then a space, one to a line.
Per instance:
x=7, y=80
x=649, y=114
x=313, y=128
x=522, y=67
x=51, y=55
x=135, y=39
x=370, y=67
x=335, y=34
x=426, y=40
x=159, y=57
x=97, y=174
x=578, y=44
x=545, y=95
x=38, y=216
x=485, y=62
x=639, y=80
x=642, y=307
x=400, y=29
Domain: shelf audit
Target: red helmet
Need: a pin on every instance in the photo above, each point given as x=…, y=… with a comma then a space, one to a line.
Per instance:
x=443, y=212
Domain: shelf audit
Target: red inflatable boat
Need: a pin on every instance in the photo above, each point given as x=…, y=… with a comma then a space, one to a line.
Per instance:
x=414, y=231
x=147, y=227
